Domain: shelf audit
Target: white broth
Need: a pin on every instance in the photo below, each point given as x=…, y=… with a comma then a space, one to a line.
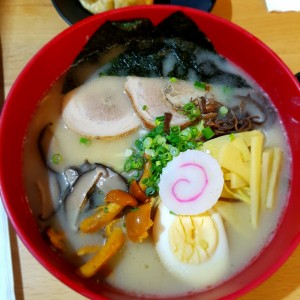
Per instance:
x=137, y=268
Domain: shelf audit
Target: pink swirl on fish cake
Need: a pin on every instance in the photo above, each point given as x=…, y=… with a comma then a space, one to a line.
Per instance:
x=178, y=184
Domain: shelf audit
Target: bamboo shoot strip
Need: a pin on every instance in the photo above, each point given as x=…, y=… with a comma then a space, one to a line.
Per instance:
x=255, y=176
x=267, y=158
x=276, y=165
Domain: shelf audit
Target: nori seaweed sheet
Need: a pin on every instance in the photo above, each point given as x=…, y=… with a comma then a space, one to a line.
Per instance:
x=142, y=48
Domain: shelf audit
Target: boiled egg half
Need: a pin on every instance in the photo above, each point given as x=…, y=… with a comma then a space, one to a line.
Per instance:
x=192, y=248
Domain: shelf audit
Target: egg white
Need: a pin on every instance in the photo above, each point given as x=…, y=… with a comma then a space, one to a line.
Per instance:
x=201, y=275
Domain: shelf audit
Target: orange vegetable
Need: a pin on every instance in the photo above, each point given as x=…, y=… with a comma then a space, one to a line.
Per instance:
x=100, y=218
x=109, y=227
x=146, y=174
x=138, y=222
x=136, y=191
x=121, y=198
x=113, y=244
x=116, y=200
x=89, y=249
x=56, y=238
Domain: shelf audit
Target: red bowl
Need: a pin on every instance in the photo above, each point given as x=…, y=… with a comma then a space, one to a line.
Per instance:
x=53, y=59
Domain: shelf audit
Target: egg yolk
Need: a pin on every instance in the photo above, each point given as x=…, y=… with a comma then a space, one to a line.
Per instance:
x=193, y=239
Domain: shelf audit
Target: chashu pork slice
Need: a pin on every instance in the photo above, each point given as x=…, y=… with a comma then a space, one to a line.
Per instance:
x=180, y=92
x=100, y=108
x=153, y=97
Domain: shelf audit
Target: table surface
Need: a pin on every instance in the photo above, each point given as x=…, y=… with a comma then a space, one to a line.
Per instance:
x=26, y=25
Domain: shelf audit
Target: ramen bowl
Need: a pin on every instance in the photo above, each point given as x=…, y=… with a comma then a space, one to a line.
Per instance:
x=234, y=43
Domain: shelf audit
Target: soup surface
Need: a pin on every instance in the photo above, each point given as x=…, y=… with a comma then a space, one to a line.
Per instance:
x=139, y=152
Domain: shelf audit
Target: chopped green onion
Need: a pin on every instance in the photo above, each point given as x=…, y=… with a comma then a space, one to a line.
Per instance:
x=208, y=132
x=200, y=126
x=150, y=152
x=106, y=209
x=200, y=85
x=145, y=107
x=158, y=130
x=185, y=134
x=189, y=106
x=127, y=166
x=128, y=152
x=192, y=145
x=173, y=79
x=167, y=157
x=160, y=140
x=85, y=141
x=183, y=147
x=172, y=213
x=175, y=129
x=147, y=142
x=150, y=190
x=159, y=120
x=231, y=136
x=223, y=110
x=139, y=145
x=174, y=151
x=56, y=159
x=134, y=162
x=160, y=150
x=191, y=110
x=194, y=131
x=167, y=146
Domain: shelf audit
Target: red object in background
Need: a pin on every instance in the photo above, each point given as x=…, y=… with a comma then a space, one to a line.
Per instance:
x=52, y=60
